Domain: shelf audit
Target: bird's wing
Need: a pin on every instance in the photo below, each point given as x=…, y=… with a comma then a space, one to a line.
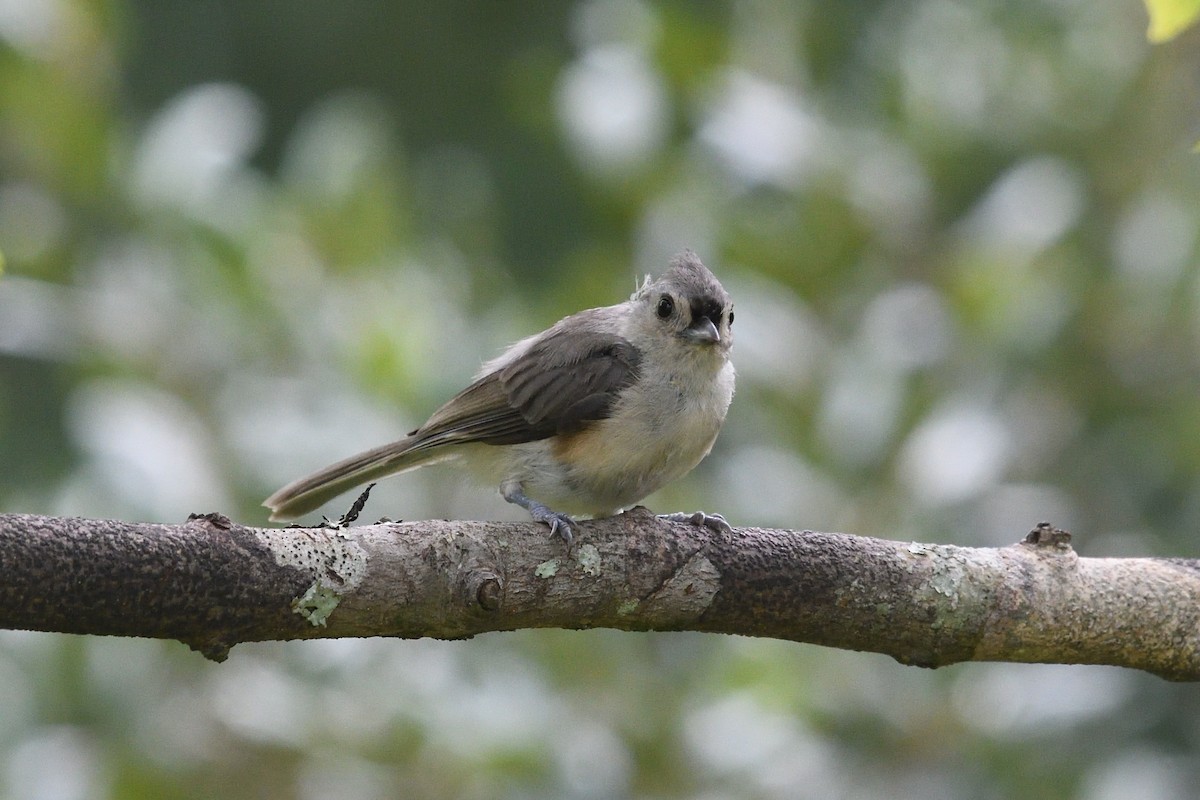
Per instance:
x=557, y=386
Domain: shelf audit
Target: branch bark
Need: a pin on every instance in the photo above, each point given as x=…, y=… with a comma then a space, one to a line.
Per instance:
x=211, y=584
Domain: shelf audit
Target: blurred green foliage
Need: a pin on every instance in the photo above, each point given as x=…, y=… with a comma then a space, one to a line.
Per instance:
x=244, y=239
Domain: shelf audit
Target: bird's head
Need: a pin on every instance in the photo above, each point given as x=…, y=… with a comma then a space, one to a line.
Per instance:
x=689, y=304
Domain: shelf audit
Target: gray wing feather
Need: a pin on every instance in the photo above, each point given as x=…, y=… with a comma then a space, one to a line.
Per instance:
x=559, y=385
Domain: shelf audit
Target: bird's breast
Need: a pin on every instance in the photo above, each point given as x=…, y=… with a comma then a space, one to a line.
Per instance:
x=658, y=431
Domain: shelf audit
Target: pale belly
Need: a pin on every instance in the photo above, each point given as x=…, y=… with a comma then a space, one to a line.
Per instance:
x=617, y=461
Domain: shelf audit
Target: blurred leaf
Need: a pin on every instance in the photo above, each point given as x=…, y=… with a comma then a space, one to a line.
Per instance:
x=1169, y=18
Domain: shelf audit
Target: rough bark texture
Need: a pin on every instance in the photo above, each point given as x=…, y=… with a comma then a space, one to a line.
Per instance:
x=212, y=584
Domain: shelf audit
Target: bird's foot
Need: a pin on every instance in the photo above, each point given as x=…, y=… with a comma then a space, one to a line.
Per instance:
x=714, y=522
x=560, y=524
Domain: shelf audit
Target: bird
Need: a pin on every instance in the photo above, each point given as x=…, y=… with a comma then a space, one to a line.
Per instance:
x=587, y=417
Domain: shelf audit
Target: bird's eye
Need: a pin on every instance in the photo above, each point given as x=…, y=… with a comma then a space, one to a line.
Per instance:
x=731, y=319
x=665, y=306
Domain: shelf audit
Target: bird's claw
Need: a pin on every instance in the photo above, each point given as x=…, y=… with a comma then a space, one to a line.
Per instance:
x=560, y=524
x=714, y=522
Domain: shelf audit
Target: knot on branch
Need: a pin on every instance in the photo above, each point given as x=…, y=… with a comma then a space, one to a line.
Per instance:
x=214, y=518
x=484, y=589
x=1046, y=535
x=214, y=650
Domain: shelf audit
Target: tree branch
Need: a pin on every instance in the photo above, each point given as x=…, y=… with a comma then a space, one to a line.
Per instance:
x=212, y=584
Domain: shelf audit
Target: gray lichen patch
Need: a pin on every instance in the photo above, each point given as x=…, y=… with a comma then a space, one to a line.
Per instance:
x=947, y=577
x=589, y=560
x=956, y=583
x=337, y=565
x=316, y=604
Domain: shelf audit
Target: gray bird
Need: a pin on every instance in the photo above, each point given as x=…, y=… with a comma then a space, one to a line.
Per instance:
x=586, y=417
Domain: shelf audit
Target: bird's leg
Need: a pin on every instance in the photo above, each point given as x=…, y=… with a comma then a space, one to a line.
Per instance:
x=559, y=523
x=714, y=522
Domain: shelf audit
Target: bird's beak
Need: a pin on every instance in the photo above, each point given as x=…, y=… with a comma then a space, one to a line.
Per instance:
x=703, y=330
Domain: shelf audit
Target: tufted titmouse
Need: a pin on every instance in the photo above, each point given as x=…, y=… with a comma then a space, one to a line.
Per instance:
x=589, y=416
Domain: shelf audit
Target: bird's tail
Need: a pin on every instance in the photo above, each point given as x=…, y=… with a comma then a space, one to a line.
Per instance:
x=311, y=492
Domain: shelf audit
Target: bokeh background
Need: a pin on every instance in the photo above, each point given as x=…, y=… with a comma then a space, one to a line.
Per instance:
x=243, y=239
